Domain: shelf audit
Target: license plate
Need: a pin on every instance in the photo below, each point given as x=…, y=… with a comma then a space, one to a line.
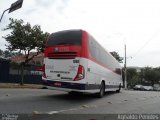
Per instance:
x=57, y=84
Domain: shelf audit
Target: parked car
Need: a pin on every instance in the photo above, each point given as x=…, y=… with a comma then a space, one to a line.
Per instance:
x=147, y=88
x=156, y=87
x=138, y=87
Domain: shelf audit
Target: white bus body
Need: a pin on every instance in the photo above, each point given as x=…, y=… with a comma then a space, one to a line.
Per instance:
x=81, y=66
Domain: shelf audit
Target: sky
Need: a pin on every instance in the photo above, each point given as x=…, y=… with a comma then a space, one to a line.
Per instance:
x=113, y=23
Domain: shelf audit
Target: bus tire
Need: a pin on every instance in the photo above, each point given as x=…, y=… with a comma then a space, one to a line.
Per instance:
x=119, y=89
x=72, y=93
x=101, y=92
x=75, y=93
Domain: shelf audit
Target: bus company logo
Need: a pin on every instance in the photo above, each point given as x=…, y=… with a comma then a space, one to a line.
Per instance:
x=55, y=49
x=64, y=49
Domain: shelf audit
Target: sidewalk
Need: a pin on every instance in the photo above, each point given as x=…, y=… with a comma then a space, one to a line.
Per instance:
x=15, y=85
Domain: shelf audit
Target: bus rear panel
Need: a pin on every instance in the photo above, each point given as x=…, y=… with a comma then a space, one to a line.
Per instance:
x=63, y=65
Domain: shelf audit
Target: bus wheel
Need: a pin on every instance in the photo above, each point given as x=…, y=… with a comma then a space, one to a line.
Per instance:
x=72, y=93
x=102, y=90
x=119, y=89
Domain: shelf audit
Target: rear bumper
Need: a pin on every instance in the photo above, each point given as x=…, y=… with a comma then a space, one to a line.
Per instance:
x=60, y=84
x=78, y=87
x=70, y=86
x=75, y=90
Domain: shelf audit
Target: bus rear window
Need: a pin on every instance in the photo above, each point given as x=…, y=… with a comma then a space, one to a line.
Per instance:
x=68, y=37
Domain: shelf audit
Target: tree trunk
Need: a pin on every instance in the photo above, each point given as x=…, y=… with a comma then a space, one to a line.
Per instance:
x=152, y=82
x=22, y=74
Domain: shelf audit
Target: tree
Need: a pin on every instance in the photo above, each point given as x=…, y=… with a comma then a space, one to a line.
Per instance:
x=151, y=75
x=7, y=54
x=133, y=77
x=1, y=52
x=147, y=76
x=116, y=56
x=25, y=38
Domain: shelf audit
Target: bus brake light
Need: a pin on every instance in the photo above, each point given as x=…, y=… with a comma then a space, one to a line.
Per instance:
x=80, y=73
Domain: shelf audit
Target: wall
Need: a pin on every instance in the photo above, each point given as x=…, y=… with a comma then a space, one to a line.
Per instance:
x=6, y=77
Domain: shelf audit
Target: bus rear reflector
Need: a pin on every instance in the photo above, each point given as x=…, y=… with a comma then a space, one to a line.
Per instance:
x=80, y=73
x=43, y=70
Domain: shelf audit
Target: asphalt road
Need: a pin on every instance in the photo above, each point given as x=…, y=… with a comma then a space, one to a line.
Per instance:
x=19, y=101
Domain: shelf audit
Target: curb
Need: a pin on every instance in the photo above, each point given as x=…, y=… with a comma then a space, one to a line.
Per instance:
x=31, y=86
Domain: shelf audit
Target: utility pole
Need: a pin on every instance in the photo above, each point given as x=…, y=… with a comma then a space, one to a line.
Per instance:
x=125, y=68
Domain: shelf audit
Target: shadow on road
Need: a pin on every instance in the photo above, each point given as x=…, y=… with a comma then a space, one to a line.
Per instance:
x=74, y=97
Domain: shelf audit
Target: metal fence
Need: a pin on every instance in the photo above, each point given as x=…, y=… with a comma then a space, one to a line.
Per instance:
x=4, y=69
x=7, y=76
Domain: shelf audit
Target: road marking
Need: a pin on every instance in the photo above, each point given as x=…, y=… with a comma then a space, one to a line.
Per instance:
x=52, y=112
x=71, y=109
x=59, y=111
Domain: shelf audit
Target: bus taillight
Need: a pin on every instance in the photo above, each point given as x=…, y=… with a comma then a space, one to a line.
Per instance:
x=80, y=73
x=43, y=70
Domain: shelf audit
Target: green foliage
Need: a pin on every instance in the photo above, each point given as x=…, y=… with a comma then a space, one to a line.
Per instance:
x=8, y=54
x=1, y=52
x=116, y=56
x=133, y=77
x=25, y=38
x=147, y=76
x=151, y=75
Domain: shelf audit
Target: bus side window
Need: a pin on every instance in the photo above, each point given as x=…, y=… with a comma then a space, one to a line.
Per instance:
x=94, y=50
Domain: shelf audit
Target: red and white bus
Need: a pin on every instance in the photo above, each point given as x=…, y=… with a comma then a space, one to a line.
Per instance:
x=75, y=62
